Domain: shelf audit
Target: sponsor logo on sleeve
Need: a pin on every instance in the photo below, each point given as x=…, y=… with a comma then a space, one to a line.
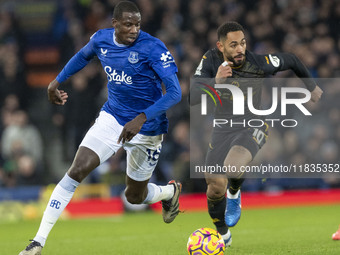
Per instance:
x=167, y=59
x=274, y=60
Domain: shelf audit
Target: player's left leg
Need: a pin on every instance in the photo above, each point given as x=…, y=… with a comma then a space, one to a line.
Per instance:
x=237, y=156
x=138, y=192
x=143, y=192
x=217, y=183
x=142, y=157
x=216, y=187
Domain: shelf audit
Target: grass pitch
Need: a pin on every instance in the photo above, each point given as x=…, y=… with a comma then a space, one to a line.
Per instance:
x=299, y=230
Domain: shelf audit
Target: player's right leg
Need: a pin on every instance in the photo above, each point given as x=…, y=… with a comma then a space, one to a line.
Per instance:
x=92, y=151
x=216, y=188
x=85, y=161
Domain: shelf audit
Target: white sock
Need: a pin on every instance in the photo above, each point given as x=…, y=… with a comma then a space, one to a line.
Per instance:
x=230, y=196
x=227, y=235
x=158, y=193
x=60, y=197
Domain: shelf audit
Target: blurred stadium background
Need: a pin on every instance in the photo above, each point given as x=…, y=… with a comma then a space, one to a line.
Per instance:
x=38, y=140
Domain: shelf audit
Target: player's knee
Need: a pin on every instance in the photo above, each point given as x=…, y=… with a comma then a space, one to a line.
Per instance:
x=238, y=156
x=134, y=198
x=79, y=170
x=85, y=161
x=215, y=193
x=216, y=189
x=76, y=172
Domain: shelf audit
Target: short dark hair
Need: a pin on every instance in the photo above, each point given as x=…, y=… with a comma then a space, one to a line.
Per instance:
x=230, y=26
x=124, y=6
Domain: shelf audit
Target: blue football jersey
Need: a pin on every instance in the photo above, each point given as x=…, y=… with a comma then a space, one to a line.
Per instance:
x=134, y=76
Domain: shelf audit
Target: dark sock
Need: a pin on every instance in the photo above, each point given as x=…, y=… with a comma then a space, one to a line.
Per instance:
x=216, y=209
x=235, y=184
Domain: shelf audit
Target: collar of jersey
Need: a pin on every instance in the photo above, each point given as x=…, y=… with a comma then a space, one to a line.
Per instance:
x=236, y=67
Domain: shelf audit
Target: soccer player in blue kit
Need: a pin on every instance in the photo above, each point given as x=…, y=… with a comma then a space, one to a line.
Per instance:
x=133, y=117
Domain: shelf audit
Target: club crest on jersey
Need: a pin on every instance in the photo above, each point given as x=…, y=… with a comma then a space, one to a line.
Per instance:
x=133, y=58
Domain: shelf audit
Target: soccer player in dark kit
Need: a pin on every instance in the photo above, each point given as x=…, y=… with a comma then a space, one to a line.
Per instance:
x=237, y=145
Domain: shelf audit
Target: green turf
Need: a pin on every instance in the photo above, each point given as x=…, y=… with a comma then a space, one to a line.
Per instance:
x=302, y=230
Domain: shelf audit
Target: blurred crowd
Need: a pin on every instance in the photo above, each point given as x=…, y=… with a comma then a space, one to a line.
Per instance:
x=39, y=140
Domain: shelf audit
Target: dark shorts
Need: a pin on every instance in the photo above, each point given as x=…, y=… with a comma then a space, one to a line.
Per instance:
x=221, y=143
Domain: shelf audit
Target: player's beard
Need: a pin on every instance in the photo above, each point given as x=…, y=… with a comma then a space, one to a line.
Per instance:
x=238, y=63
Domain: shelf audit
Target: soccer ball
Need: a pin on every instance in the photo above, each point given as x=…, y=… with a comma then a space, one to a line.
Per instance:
x=205, y=241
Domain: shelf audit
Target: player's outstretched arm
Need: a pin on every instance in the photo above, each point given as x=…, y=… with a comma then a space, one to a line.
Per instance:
x=293, y=62
x=286, y=61
x=173, y=96
x=56, y=96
